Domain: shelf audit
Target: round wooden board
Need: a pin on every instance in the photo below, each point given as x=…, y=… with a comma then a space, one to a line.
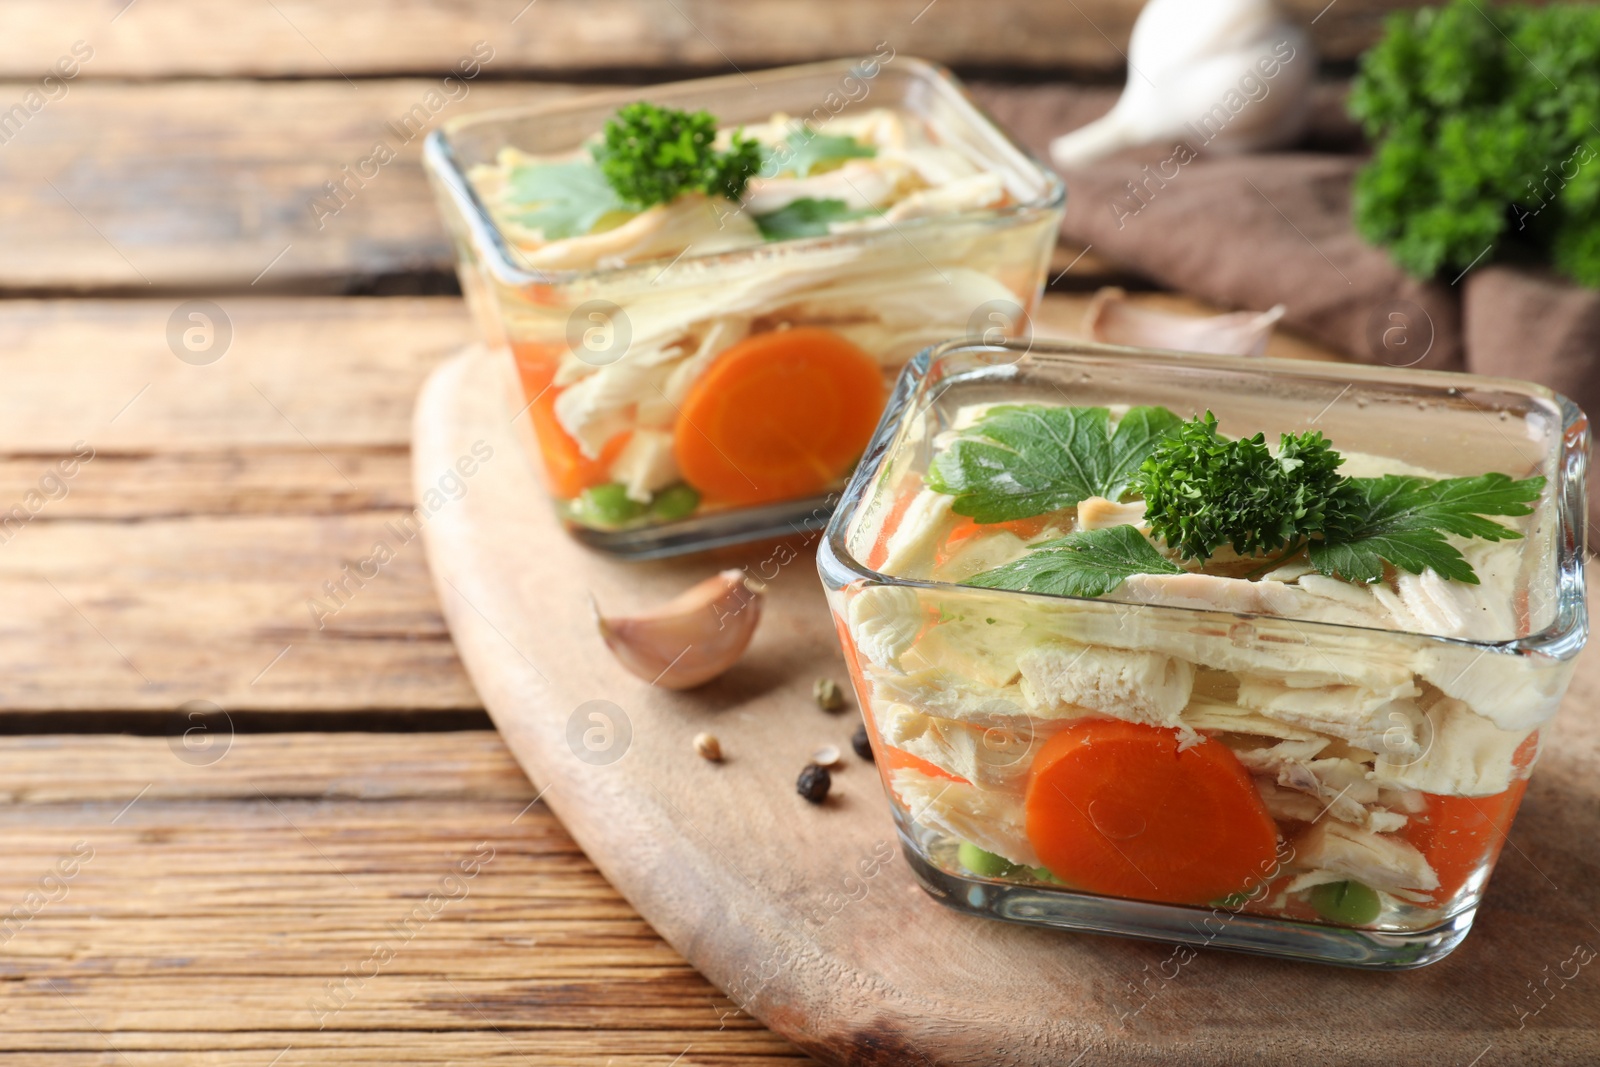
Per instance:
x=796, y=913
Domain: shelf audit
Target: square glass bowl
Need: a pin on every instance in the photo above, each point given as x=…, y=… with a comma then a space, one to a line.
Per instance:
x=890, y=291
x=1435, y=741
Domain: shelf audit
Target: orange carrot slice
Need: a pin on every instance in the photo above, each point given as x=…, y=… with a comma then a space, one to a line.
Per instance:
x=893, y=759
x=1461, y=835
x=1114, y=807
x=569, y=472
x=891, y=523
x=536, y=366
x=967, y=529
x=888, y=759
x=779, y=415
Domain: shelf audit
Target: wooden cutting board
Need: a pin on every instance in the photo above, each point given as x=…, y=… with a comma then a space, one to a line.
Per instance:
x=811, y=922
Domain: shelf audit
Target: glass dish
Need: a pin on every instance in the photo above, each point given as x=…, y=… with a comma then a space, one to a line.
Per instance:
x=993, y=261
x=948, y=675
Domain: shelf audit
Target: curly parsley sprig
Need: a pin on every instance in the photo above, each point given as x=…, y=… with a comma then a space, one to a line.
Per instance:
x=1203, y=491
x=652, y=154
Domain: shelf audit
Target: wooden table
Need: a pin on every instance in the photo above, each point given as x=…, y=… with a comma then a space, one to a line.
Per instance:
x=281, y=883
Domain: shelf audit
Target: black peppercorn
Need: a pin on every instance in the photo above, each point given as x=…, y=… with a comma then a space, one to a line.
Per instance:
x=862, y=743
x=814, y=783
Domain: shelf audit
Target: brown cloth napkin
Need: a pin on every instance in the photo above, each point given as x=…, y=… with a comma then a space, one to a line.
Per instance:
x=1528, y=323
x=1252, y=231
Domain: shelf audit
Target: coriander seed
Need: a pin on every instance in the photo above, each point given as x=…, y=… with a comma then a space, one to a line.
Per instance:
x=708, y=747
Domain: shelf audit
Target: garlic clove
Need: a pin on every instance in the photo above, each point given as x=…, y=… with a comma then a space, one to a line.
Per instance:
x=1113, y=319
x=691, y=638
x=1225, y=75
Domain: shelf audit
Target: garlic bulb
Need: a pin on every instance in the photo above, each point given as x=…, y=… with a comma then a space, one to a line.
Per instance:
x=1113, y=319
x=1228, y=75
x=691, y=638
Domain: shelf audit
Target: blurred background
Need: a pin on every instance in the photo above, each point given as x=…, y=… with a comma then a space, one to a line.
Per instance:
x=190, y=148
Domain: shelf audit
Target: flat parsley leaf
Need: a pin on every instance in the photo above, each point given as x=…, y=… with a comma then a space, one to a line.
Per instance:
x=1022, y=460
x=1085, y=563
x=805, y=152
x=565, y=199
x=805, y=217
x=820, y=151
x=1403, y=520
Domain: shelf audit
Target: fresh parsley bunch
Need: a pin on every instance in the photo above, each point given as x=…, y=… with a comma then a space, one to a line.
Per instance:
x=1203, y=491
x=1486, y=122
x=652, y=155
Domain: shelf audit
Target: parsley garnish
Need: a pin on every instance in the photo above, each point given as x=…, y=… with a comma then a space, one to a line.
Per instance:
x=1083, y=563
x=566, y=199
x=805, y=217
x=1203, y=491
x=1022, y=460
x=652, y=155
x=1403, y=521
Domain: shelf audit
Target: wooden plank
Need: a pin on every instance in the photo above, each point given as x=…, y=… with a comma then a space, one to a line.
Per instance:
x=163, y=911
x=833, y=944
x=220, y=498
x=206, y=186
x=66, y=769
x=259, y=480
x=187, y=558
x=150, y=614
x=298, y=373
x=301, y=38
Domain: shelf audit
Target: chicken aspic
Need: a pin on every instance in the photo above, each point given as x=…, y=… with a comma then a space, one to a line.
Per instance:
x=1228, y=688
x=689, y=385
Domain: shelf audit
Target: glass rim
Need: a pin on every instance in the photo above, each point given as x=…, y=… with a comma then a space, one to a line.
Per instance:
x=439, y=159
x=1562, y=639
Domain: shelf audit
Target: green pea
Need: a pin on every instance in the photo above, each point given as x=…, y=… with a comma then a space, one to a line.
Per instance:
x=1346, y=903
x=675, y=502
x=607, y=505
x=983, y=864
